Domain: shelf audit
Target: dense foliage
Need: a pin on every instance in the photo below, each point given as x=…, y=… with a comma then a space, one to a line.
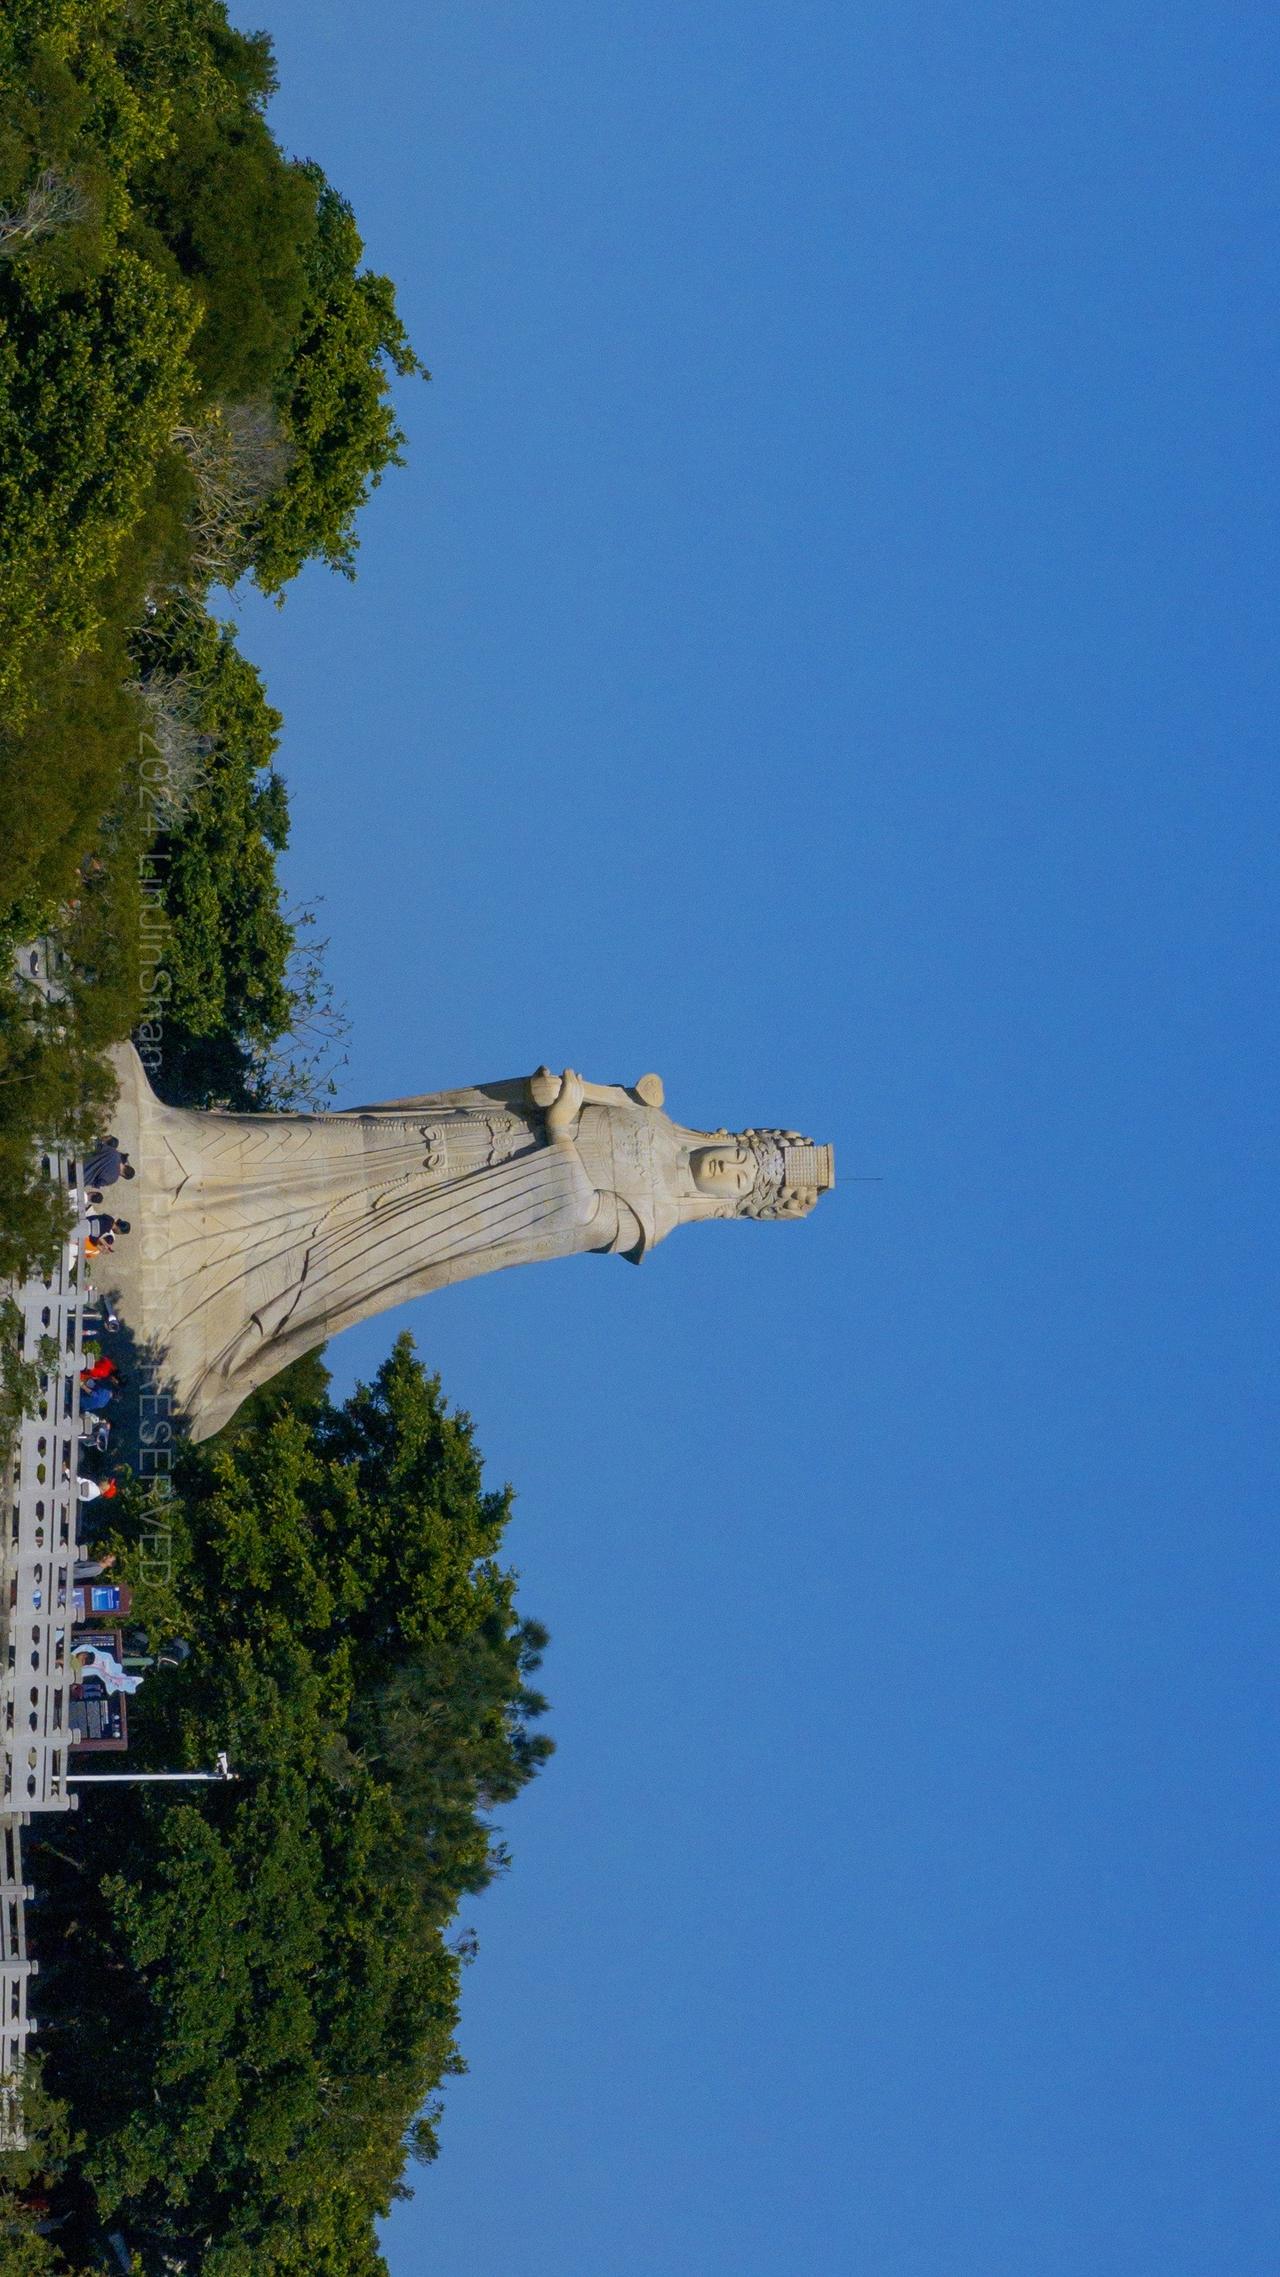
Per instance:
x=263, y=1991
x=192, y=271
x=194, y=388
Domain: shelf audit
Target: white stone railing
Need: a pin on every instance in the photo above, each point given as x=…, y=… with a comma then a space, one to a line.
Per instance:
x=16, y=1972
x=38, y=1548
x=35, y=1683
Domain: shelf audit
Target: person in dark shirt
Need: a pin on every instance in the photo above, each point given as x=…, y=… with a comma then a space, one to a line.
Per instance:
x=108, y=1163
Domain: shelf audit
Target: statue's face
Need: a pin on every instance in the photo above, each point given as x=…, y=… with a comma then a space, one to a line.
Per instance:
x=727, y=1172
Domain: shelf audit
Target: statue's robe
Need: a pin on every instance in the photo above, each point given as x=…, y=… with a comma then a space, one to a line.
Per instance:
x=262, y=1235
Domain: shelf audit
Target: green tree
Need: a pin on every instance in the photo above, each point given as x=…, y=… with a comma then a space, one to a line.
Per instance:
x=91, y=386
x=334, y=398
x=269, y=1963
x=28, y=2174
x=51, y=1079
x=239, y=222
x=227, y=942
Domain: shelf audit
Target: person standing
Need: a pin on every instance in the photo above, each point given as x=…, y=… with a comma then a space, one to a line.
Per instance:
x=107, y=1163
x=93, y=1490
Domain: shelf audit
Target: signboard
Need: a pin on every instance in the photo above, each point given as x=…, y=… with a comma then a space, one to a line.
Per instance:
x=99, y=1718
x=91, y=1599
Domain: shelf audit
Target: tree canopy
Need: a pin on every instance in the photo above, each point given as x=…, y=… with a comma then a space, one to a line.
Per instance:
x=269, y=1964
x=164, y=264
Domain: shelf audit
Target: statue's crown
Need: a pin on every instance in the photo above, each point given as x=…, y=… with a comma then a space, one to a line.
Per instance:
x=791, y=1172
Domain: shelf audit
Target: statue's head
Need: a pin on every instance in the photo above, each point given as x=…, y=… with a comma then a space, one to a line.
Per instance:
x=761, y=1174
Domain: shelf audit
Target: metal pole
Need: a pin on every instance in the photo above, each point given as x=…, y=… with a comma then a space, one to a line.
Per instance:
x=141, y=1778
x=137, y=1778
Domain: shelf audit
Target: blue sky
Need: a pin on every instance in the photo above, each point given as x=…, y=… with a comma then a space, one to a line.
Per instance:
x=823, y=648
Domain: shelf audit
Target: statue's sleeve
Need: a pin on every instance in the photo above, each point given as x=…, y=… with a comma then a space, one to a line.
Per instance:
x=616, y=1231
x=477, y=1098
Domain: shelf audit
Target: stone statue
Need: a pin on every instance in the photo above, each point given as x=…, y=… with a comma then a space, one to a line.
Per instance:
x=256, y=1237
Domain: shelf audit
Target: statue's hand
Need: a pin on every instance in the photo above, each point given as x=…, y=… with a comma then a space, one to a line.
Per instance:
x=565, y=1108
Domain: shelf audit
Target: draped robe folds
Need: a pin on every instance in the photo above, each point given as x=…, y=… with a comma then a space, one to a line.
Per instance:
x=259, y=1236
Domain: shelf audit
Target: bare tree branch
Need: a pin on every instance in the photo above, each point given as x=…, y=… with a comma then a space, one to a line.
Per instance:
x=176, y=765
x=238, y=456
x=55, y=201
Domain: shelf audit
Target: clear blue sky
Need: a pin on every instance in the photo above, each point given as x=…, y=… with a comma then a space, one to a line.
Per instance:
x=823, y=648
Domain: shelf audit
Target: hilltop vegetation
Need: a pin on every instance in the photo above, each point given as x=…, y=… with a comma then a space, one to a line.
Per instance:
x=195, y=374
x=260, y=1986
